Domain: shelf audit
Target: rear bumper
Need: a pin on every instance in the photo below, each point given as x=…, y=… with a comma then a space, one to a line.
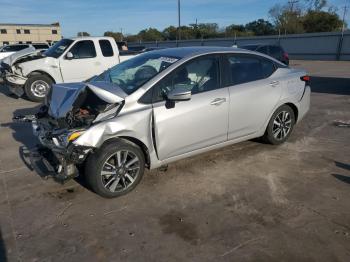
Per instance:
x=304, y=103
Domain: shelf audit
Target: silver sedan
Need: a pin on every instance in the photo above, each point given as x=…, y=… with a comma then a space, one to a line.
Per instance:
x=163, y=106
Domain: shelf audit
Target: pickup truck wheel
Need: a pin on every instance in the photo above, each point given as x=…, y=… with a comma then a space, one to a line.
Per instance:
x=280, y=126
x=115, y=169
x=37, y=87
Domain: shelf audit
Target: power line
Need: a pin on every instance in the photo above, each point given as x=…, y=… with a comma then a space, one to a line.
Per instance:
x=292, y=3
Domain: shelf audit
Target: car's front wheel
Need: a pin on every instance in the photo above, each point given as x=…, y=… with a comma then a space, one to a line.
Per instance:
x=280, y=126
x=37, y=87
x=115, y=169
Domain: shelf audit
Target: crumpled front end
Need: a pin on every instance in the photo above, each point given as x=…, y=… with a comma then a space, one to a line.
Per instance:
x=69, y=111
x=11, y=71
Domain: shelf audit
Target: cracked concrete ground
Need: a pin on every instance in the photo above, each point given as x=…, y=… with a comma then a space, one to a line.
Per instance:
x=246, y=202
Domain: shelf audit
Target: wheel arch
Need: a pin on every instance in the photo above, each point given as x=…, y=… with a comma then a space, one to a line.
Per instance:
x=135, y=141
x=39, y=72
x=295, y=110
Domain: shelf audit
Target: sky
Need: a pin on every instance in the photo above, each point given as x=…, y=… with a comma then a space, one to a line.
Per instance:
x=131, y=16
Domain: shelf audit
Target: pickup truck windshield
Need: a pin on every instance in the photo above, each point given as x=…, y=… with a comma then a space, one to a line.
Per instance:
x=133, y=73
x=57, y=49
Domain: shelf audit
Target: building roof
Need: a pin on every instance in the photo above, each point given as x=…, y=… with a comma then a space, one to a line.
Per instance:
x=37, y=25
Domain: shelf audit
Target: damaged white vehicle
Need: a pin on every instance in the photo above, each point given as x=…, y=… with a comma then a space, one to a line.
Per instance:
x=163, y=106
x=69, y=60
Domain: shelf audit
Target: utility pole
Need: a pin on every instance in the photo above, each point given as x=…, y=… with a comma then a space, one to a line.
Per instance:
x=344, y=16
x=179, y=19
x=121, y=34
x=292, y=3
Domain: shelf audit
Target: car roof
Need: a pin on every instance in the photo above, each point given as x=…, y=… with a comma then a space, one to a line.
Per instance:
x=90, y=37
x=183, y=52
x=188, y=52
x=259, y=45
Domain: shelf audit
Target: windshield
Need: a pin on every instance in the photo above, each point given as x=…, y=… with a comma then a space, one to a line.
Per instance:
x=133, y=73
x=57, y=49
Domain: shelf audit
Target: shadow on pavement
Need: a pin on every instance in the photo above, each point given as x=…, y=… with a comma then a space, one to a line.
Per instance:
x=342, y=178
x=342, y=165
x=4, y=90
x=345, y=179
x=23, y=133
x=330, y=85
x=3, y=256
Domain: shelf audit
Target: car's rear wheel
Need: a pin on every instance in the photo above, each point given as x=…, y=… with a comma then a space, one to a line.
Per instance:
x=115, y=169
x=37, y=87
x=280, y=126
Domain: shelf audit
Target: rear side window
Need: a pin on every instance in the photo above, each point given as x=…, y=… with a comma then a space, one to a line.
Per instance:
x=40, y=46
x=263, y=49
x=246, y=68
x=275, y=51
x=83, y=49
x=106, y=48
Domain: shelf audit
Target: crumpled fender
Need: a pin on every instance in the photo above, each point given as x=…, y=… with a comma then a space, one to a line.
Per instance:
x=124, y=125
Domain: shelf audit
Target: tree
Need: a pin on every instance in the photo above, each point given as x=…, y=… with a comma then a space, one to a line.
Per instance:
x=316, y=5
x=83, y=34
x=116, y=35
x=150, y=34
x=287, y=18
x=261, y=27
x=236, y=30
x=170, y=33
x=320, y=21
x=132, y=38
x=208, y=30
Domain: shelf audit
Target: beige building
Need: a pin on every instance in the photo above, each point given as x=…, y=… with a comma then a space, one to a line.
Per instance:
x=29, y=33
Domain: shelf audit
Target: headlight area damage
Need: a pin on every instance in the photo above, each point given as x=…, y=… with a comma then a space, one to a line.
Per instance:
x=69, y=110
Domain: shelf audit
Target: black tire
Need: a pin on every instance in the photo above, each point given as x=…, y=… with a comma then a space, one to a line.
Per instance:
x=272, y=127
x=96, y=164
x=45, y=82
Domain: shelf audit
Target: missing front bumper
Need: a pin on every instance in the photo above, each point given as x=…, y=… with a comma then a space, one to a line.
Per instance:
x=61, y=166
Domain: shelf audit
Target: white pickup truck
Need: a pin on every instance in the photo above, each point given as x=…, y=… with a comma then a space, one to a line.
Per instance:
x=69, y=60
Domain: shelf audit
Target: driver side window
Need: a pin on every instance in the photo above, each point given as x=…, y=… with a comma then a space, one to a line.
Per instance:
x=83, y=49
x=199, y=75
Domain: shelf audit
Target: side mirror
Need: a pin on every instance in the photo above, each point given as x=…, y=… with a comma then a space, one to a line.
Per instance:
x=69, y=56
x=179, y=94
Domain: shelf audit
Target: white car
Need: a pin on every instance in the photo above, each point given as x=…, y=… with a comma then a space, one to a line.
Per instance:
x=8, y=50
x=69, y=60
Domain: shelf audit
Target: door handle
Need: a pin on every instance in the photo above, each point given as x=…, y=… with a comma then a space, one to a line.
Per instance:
x=274, y=83
x=218, y=101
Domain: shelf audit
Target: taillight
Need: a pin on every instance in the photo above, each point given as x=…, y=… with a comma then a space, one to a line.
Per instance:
x=285, y=55
x=305, y=78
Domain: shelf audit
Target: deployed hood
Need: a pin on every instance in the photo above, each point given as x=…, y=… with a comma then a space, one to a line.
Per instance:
x=11, y=59
x=63, y=97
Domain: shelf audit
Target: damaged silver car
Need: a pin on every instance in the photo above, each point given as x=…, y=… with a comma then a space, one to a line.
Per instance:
x=163, y=106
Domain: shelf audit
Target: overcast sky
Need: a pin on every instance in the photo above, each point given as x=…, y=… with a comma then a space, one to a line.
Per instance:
x=96, y=17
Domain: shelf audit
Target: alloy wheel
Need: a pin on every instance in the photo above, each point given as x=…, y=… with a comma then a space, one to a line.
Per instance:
x=120, y=171
x=282, y=125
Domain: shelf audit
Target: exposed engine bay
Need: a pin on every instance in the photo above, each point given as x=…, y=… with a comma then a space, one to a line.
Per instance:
x=68, y=111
